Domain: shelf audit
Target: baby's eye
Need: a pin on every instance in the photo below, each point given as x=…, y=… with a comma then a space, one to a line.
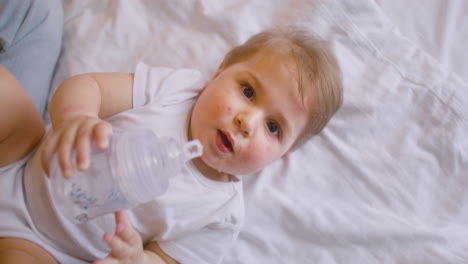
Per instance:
x=248, y=92
x=273, y=128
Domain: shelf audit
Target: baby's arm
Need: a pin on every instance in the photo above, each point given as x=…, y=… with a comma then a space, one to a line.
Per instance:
x=127, y=247
x=21, y=125
x=76, y=110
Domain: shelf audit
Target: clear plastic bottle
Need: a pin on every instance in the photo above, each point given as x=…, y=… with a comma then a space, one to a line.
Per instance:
x=134, y=169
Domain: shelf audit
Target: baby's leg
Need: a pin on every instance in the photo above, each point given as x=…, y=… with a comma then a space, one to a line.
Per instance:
x=21, y=125
x=21, y=251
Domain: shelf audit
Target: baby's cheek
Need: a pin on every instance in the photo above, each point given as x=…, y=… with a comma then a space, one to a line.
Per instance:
x=222, y=110
x=257, y=156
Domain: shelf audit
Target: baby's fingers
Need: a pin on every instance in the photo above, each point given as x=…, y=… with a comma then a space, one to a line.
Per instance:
x=108, y=260
x=83, y=140
x=102, y=131
x=125, y=230
x=48, y=150
x=126, y=245
x=119, y=248
x=126, y=242
x=64, y=151
x=88, y=134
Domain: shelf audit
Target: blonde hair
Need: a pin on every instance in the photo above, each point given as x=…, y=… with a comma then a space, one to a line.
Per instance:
x=316, y=66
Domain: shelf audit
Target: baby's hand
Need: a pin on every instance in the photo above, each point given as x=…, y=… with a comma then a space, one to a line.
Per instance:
x=126, y=244
x=76, y=133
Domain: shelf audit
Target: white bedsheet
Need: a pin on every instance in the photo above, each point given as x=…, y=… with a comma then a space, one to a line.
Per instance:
x=438, y=27
x=386, y=181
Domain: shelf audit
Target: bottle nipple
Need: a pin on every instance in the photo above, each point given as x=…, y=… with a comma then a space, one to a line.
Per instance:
x=192, y=149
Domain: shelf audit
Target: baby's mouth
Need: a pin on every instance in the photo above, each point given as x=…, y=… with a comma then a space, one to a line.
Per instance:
x=223, y=142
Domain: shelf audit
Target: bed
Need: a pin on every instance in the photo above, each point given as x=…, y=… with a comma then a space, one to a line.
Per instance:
x=386, y=181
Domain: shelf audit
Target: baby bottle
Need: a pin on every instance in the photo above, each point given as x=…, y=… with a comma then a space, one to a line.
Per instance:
x=134, y=169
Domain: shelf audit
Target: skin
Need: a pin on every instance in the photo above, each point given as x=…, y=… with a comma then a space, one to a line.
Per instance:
x=256, y=102
x=20, y=130
x=244, y=100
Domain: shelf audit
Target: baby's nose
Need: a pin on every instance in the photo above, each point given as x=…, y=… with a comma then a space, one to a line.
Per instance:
x=248, y=121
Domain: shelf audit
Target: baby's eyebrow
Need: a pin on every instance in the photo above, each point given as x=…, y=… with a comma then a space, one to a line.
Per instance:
x=257, y=83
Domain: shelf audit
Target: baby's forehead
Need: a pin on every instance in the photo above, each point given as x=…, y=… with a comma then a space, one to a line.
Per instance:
x=274, y=59
x=300, y=81
x=292, y=79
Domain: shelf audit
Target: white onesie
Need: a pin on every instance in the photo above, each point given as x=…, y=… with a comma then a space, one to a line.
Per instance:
x=196, y=221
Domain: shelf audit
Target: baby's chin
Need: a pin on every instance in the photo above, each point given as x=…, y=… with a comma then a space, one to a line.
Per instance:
x=230, y=169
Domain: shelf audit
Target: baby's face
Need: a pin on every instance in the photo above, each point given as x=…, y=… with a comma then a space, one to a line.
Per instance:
x=249, y=114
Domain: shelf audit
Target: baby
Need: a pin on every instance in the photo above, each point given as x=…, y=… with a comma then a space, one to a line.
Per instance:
x=267, y=97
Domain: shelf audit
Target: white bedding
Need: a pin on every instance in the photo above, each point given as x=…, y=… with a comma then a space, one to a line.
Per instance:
x=386, y=181
x=440, y=28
